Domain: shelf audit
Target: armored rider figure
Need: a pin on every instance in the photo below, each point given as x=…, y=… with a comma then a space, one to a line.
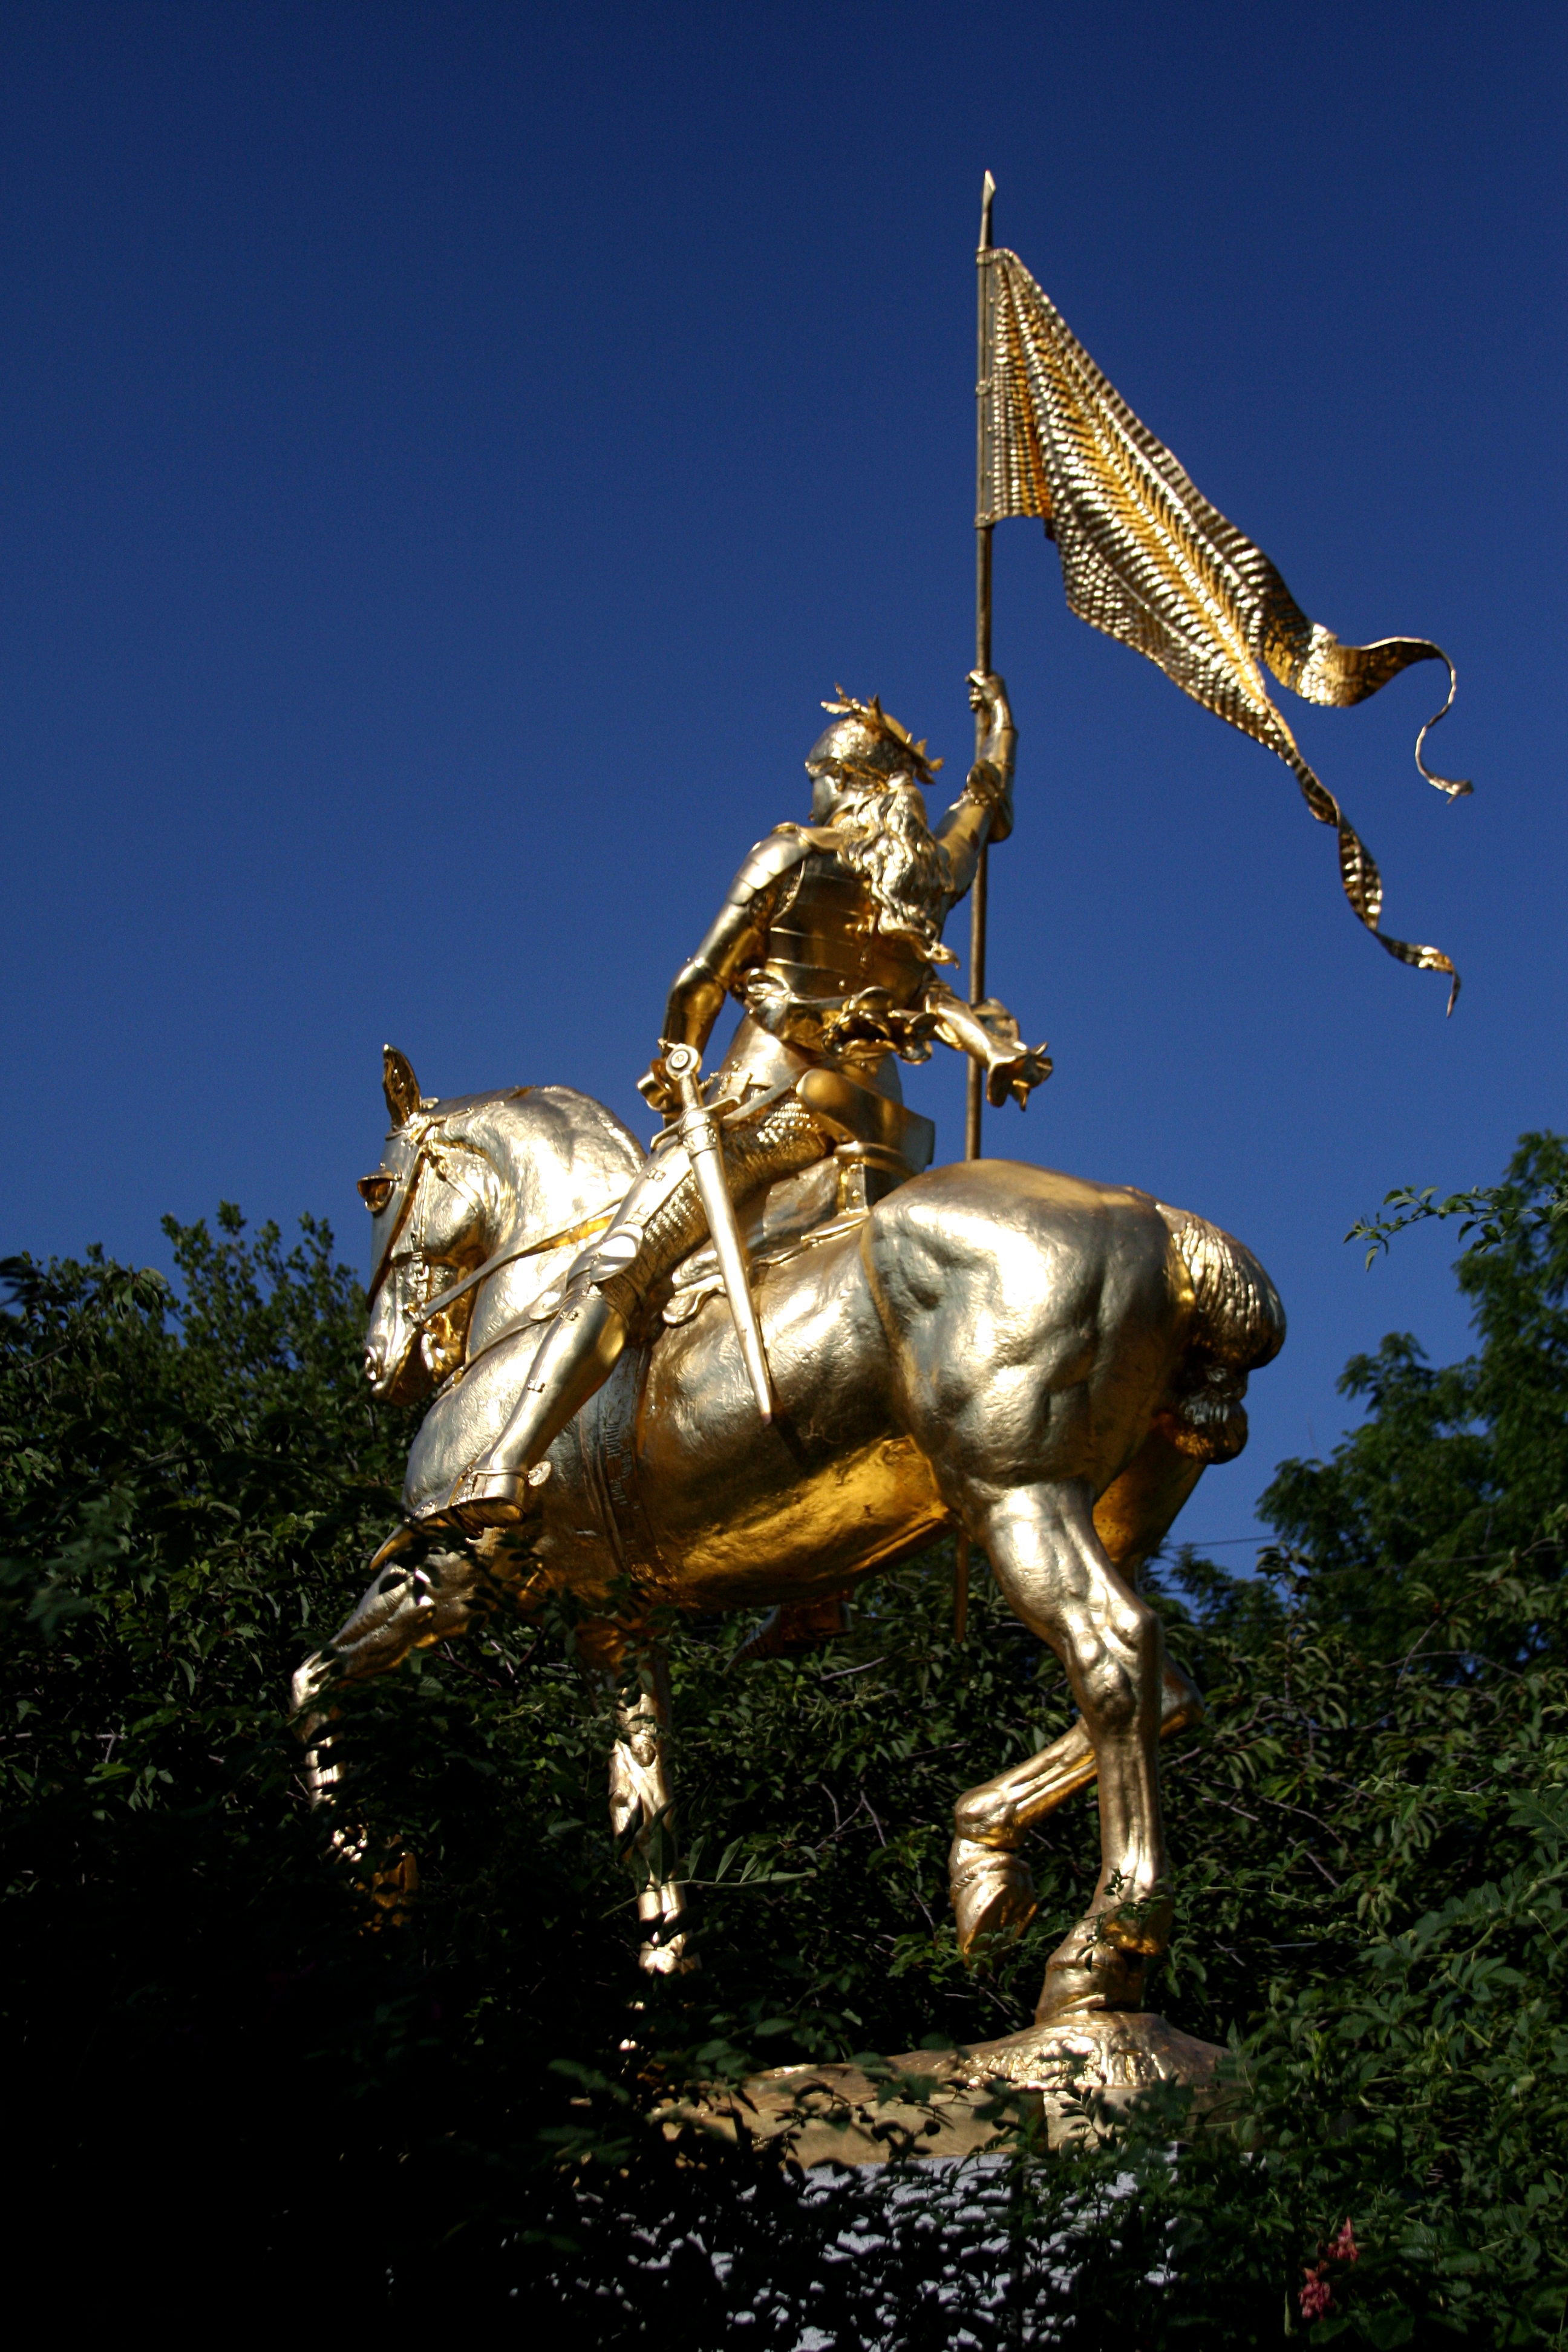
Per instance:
x=831, y=941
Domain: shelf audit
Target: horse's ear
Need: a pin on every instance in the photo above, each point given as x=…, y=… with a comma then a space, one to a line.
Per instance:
x=399, y=1084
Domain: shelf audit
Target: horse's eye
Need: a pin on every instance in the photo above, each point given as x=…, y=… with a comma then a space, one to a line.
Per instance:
x=376, y=1190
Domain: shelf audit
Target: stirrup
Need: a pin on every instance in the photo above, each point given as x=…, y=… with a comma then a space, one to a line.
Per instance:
x=496, y=1499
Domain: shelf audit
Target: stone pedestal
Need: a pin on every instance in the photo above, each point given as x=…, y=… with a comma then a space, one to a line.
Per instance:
x=936, y=2099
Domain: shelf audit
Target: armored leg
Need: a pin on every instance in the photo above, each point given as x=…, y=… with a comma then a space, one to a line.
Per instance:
x=659, y=1220
x=578, y=1353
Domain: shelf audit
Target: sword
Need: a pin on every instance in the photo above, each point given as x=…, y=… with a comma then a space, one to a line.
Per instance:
x=698, y=1132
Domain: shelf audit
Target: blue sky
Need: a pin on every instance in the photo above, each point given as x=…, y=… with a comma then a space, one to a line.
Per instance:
x=449, y=451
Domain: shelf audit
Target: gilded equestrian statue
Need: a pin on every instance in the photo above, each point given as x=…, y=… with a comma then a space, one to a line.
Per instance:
x=778, y=1352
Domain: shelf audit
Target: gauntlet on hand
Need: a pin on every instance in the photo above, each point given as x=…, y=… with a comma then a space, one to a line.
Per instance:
x=656, y=1087
x=1017, y=1074
x=990, y=781
x=986, y=784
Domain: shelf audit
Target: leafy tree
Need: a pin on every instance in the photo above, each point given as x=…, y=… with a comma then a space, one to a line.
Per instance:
x=218, y=2041
x=1453, y=1466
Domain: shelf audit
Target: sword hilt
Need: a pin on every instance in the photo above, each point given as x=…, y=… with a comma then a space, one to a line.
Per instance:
x=684, y=1064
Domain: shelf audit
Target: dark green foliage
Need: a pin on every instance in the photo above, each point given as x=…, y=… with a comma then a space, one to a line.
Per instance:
x=1452, y=1466
x=210, y=2048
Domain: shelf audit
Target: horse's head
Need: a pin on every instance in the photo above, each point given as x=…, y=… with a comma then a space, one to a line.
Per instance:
x=476, y=1196
x=436, y=1200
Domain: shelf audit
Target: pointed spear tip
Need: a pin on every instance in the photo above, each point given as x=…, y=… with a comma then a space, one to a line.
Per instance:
x=988, y=190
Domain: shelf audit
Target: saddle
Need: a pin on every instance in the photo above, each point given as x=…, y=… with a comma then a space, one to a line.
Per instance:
x=878, y=1145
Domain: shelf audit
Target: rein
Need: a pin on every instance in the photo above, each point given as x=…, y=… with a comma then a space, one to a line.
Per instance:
x=582, y=1232
x=406, y=1245
x=733, y=1114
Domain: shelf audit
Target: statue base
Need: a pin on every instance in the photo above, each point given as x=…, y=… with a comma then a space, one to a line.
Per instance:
x=1103, y=2059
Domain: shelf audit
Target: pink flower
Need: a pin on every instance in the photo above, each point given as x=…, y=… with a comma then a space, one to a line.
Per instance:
x=1317, y=2295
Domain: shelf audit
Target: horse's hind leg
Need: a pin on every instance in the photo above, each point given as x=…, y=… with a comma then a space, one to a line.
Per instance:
x=991, y=1882
x=1057, y=1574
x=993, y=1890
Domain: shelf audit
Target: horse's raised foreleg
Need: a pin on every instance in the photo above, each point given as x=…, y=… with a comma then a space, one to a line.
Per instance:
x=418, y=1596
x=993, y=1890
x=1055, y=1573
x=642, y=1812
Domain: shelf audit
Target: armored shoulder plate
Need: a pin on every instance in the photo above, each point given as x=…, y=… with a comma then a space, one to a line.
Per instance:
x=772, y=857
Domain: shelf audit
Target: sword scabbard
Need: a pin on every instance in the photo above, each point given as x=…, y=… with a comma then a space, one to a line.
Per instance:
x=698, y=1132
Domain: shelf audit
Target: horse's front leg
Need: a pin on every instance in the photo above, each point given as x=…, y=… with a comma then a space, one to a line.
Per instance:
x=642, y=1810
x=417, y=1595
x=1057, y=1574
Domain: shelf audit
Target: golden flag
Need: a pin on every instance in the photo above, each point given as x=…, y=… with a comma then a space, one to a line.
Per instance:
x=1147, y=558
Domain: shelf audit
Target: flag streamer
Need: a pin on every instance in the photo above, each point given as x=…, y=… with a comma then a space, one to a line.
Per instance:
x=1149, y=560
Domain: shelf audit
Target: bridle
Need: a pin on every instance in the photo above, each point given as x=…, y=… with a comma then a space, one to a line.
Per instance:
x=411, y=1218
x=431, y=1145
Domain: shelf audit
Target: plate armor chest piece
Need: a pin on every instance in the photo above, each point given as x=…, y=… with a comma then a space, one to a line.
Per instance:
x=824, y=946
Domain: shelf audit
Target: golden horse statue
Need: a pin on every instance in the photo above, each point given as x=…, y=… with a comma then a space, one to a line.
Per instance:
x=1043, y=1364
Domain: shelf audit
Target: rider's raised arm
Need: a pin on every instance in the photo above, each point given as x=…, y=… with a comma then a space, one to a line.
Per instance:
x=738, y=937
x=983, y=810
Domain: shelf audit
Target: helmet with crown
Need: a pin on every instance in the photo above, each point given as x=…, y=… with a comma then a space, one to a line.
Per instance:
x=863, y=745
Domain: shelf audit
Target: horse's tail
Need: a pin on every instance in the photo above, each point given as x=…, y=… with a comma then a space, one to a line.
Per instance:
x=1238, y=1324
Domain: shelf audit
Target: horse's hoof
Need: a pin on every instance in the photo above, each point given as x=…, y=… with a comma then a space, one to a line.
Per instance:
x=993, y=1893
x=666, y=1959
x=318, y=1673
x=671, y=1954
x=1143, y=1928
x=1087, y=1971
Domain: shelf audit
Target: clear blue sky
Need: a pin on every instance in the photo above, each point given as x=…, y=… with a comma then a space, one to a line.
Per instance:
x=451, y=450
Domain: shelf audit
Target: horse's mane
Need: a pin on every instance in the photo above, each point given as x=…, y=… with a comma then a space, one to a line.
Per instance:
x=532, y=1125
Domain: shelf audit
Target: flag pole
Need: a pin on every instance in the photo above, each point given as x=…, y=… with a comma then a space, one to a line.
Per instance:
x=975, y=1103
